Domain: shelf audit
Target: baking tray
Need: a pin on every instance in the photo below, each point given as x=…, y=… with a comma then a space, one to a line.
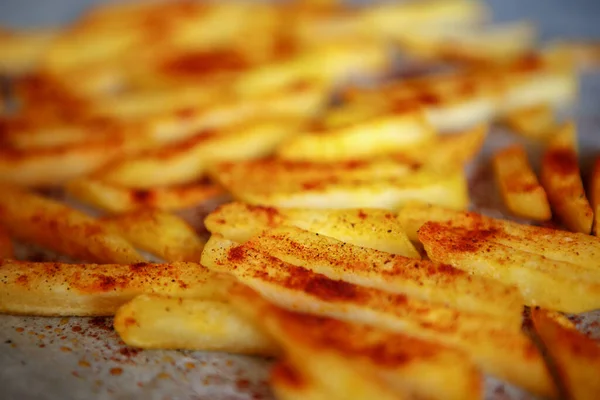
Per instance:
x=83, y=358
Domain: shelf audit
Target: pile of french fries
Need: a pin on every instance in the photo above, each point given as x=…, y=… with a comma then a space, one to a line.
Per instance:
x=347, y=251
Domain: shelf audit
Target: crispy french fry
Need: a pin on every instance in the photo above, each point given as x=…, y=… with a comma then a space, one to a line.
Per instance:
x=162, y=322
x=50, y=224
x=289, y=384
x=158, y=232
x=576, y=356
x=557, y=285
x=21, y=51
x=520, y=189
x=6, y=246
x=532, y=122
x=117, y=199
x=490, y=341
x=363, y=360
x=53, y=289
x=375, y=229
x=560, y=176
x=594, y=190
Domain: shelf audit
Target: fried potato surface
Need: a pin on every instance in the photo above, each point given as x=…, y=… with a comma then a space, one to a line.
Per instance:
x=53, y=289
x=594, y=194
x=370, y=228
x=6, y=246
x=158, y=232
x=560, y=176
x=22, y=51
x=534, y=122
x=520, y=189
x=200, y=323
x=288, y=383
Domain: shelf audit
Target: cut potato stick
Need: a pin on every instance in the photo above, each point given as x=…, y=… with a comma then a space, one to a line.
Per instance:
x=159, y=233
x=594, y=191
x=50, y=224
x=361, y=358
x=117, y=199
x=576, y=357
x=556, y=285
x=21, y=51
x=534, y=122
x=288, y=383
x=53, y=289
x=371, y=228
x=561, y=178
x=160, y=322
x=493, y=343
x=520, y=189
x=6, y=246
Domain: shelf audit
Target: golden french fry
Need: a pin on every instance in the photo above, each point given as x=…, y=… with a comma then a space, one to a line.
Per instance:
x=594, y=191
x=557, y=285
x=22, y=51
x=288, y=383
x=117, y=199
x=576, y=357
x=6, y=246
x=560, y=176
x=210, y=324
x=520, y=189
x=53, y=289
x=364, y=360
x=158, y=232
x=532, y=122
x=493, y=343
x=50, y=224
x=371, y=228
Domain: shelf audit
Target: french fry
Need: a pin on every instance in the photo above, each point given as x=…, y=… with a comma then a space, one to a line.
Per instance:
x=154, y=321
x=534, y=122
x=498, y=347
x=437, y=283
x=361, y=359
x=556, y=285
x=288, y=383
x=22, y=51
x=375, y=229
x=50, y=224
x=117, y=199
x=560, y=176
x=576, y=356
x=6, y=246
x=594, y=191
x=159, y=233
x=520, y=189
x=53, y=289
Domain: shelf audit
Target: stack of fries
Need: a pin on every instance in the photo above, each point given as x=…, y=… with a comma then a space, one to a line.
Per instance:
x=347, y=252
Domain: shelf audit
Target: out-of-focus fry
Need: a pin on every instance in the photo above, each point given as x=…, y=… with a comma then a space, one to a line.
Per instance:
x=50, y=224
x=289, y=384
x=576, y=357
x=520, y=189
x=375, y=229
x=6, y=246
x=97, y=289
x=158, y=232
x=534, y=122
x=561, y=177
x=161, y=322
x=594, y=191
x=414, y=214
x=21, y=51
x=117, y=199
x=362, y=359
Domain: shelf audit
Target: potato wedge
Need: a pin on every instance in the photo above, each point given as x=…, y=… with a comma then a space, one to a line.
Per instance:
x=53, y=289
x=520, y=189
x=361, y=358
x=576, y=356
x=556, y=285
x=158, y=232
x=594, y=194
x=561, y=178
x=6, y=246
x=288, y=383
x=152, y=321
x=422, y=279
x=535, y=122
x=371, y=228
x=117, y=199
x=50, y=224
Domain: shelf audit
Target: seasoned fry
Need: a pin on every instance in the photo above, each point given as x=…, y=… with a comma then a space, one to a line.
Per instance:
x=50, y=224
x=159, y=233
x=6, y=246
x=534, y=122
x=520, y=189
x=362, y=359
x=594, y=191
x=561, y=178
x=117, y=199
x=159, y=322
x=53, y=289
x=576, y=356
x=556, y=285
x=288, y=383
x=371, y=228
x=499, y=347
